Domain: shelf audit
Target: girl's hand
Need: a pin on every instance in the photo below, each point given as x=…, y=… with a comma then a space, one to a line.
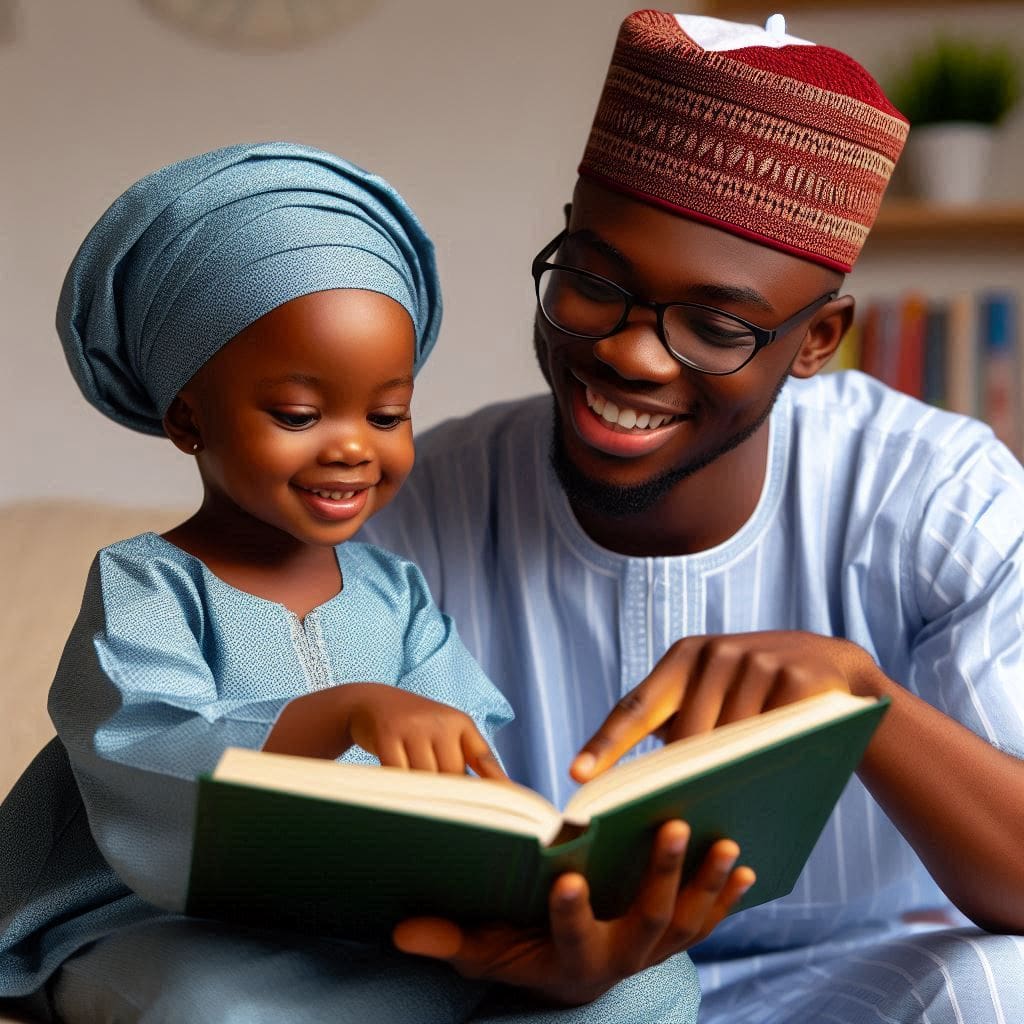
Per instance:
x=705, y=681
x=406, y=730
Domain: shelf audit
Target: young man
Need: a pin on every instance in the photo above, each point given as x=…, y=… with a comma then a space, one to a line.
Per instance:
x=698, y=513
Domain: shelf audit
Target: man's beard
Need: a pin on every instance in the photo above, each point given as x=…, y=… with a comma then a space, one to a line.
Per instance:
x=611, y=500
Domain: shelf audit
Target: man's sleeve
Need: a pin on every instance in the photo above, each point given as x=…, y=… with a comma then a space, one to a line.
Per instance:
x=965, y=571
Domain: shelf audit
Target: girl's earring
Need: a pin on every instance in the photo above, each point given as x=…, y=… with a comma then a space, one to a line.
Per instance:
x=196, y=447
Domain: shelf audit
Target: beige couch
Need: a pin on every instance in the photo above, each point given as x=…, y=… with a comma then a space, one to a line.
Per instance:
x=45, y=551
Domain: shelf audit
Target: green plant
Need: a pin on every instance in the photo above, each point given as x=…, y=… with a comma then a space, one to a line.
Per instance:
x=952, y=80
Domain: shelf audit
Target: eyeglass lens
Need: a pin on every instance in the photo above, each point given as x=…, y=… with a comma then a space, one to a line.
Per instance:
x=707, y=339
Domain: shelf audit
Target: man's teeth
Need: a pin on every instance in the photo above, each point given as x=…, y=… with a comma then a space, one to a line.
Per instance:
x=628, y=418
x=335, y=495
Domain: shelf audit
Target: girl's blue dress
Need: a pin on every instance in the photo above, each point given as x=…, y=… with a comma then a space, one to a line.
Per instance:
x=166, y=666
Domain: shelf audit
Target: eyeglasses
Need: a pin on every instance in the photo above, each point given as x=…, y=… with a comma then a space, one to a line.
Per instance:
x=586, y=305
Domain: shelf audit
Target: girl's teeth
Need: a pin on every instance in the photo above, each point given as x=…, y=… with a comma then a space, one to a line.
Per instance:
x=610, y=412
x=627, y=419
x=643, y=420
x=335, y=495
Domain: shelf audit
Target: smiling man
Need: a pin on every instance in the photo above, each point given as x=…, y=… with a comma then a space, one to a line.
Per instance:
x=698, y=527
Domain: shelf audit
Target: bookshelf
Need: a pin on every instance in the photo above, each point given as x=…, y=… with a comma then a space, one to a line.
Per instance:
x=732, y=8
x=908, y=221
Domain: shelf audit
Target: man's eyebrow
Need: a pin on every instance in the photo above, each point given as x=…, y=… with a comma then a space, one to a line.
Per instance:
x=585, y=236
x=710, y=294
x=713, y=294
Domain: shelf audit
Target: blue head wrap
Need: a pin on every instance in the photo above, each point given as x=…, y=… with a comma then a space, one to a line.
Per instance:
x=191, y=255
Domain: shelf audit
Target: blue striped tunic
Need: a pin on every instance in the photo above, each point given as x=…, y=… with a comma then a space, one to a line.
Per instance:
x=882, y=520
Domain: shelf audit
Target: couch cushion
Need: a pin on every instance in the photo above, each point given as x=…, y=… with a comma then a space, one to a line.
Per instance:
x=46, y=548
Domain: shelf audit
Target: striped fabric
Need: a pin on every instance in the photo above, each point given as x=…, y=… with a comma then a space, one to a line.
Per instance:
x=882, y=520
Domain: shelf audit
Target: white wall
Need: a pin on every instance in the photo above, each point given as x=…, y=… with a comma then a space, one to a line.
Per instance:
x=476, y=110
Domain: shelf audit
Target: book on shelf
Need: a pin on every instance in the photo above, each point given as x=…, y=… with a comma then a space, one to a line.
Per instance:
x=350, y=850
x=962, y=352
x=1000, y=383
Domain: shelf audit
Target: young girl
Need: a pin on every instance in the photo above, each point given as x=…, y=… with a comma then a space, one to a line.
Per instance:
x=266, y=308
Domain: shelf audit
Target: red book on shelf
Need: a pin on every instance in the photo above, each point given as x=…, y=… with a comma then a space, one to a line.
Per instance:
x=909, y=363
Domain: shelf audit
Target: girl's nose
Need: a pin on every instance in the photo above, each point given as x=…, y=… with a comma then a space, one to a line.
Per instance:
x=637, y=353
x=346, y=447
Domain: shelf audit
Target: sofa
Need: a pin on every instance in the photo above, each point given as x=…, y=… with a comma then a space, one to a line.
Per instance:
x=46, y=548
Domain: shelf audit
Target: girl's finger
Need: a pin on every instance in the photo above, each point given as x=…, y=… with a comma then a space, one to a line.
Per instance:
x=448, y=755
x=420, y=752
x=479, y=756
x=391, y=752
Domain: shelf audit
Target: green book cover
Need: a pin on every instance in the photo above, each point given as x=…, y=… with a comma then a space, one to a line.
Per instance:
x=331, y=857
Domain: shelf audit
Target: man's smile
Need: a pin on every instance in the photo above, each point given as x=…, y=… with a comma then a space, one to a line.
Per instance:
x=617, y=429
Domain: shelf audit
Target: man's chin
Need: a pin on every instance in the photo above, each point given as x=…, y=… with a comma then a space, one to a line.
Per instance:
x=602, y=498
x=617, y=502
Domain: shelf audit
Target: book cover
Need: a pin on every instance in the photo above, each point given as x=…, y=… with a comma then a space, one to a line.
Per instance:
x=328, y=865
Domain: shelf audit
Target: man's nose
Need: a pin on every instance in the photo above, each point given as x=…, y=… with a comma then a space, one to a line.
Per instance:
x=637, y=351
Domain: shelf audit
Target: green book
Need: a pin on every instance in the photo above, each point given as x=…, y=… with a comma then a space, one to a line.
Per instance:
x=314, y=845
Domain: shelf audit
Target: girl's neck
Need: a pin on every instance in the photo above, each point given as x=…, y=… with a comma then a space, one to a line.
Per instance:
x=260, y=559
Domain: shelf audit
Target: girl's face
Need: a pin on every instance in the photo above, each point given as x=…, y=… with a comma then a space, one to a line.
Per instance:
x=303, y=420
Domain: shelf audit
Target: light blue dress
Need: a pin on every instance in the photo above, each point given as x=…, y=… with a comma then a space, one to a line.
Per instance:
x=166, y=666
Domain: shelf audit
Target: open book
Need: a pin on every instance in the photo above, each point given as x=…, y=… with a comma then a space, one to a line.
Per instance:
x=316, y=845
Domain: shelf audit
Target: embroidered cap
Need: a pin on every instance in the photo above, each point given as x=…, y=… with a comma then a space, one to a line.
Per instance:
x=753, y=131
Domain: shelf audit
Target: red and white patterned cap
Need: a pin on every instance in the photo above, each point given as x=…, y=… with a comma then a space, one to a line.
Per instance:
x=750, y=130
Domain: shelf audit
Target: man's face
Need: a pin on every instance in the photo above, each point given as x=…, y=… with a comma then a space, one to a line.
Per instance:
x=683, y=419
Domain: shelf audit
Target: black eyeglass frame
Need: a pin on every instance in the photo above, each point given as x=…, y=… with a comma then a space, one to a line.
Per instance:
x=762, y=335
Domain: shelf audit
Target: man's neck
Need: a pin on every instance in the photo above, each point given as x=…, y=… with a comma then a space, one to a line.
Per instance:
x=700, y=512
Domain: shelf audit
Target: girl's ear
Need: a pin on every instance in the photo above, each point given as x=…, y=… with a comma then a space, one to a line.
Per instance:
x=823, y=336
x=180, y=425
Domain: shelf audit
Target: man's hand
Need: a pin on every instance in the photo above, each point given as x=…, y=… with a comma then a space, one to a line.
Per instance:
x=706, y=681
x=578, y=958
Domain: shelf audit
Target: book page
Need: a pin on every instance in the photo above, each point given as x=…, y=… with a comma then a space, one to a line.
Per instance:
x=500, y=805
x=686, y=758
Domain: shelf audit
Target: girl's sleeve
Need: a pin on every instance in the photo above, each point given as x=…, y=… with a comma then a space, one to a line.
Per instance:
x=135, y=704
x=438, y=665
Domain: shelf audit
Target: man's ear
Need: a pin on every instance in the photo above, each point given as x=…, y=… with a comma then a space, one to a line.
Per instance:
x=180, y=425
x=823, y=336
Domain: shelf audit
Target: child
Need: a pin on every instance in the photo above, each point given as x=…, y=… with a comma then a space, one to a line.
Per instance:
x=266, y=308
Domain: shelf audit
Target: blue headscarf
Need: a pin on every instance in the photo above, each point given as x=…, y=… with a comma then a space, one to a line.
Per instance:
x=191, y=255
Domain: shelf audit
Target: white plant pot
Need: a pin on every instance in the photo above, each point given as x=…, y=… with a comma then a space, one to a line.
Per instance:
x=948, y=164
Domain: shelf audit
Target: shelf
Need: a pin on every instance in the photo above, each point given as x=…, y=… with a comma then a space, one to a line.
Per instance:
x=907, y=221
x=762, y=8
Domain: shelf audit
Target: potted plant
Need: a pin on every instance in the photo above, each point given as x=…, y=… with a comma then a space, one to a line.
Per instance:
x=954, y=93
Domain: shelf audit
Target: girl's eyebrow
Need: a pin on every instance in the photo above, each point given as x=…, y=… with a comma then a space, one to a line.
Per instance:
x=290, y=378
x=395, y=382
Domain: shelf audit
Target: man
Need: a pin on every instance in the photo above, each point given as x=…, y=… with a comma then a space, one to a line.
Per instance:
x=697, y=510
